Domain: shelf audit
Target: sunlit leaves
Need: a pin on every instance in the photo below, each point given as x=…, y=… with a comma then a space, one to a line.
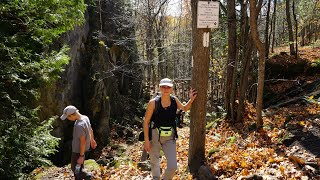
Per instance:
x=257, y=152
x=308, y=11
x=46, y=19
x=231, y=152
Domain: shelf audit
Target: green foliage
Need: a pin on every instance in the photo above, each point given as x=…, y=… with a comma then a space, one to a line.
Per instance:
x=91, y=165
x=25, y=142
x=212, y=151
x=316, y=63
x=308, y=11
x=213, y=123
x=232, y=140
x=284, y=136
x=219, y=43
x=311, y=100
x=27, y=63
x=43, y=20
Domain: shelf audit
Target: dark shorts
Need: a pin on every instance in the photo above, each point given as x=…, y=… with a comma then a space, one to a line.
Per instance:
x=82, y=174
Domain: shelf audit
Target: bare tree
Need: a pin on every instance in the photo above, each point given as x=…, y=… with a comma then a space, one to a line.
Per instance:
x=232, y=52
x=254, y=12
x=291, y=43
x=150, y=21
x=266, y=34
x=273, y=29
x=245, y=51
x=296, y=28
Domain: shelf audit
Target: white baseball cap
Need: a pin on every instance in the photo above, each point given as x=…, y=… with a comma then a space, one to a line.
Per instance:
x=166, y=82
x=68, y=111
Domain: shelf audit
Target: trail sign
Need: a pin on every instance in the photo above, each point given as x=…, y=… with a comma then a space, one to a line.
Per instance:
x=208, y=14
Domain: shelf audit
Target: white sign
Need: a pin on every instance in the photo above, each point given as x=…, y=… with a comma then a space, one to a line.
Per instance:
x=206, y=39
x=208, y=14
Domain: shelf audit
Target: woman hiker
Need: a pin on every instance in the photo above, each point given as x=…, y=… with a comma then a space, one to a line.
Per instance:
x=160, y=120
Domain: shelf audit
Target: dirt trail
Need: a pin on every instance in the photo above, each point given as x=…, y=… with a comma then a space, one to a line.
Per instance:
x=124, y=158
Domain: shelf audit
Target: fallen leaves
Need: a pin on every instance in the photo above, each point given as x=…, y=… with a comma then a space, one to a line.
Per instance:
x=232, y=151
x=260, y=152
x=296, y=159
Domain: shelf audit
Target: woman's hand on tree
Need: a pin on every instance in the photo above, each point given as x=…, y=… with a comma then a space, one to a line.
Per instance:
x=193, y=94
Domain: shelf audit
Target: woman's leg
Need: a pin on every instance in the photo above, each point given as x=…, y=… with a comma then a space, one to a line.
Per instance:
x=155, y=155
x=170, y=151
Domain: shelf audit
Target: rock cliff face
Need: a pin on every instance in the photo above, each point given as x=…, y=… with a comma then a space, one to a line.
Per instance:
x=101, y=80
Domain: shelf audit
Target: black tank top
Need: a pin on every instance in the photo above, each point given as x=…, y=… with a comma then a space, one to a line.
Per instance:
x=166, y=116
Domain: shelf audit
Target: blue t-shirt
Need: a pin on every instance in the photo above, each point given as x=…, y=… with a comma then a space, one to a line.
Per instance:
x=81, y=127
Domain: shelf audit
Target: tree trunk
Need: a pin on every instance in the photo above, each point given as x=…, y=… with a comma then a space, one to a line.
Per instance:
x=200, y=75
x=302, y=35
x=291, y=43
x=234, y=89
x=149, y=48
x=296, y=28
x=254, y=12
x=309, y=33
x=244, y=81
x=317, y=32
x=159, y=46
x=266, y=34
x=254, y=77
x=245, y=58
x=274, y=25
x=232, y=40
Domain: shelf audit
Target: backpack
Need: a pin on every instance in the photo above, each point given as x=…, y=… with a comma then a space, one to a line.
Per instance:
x=154, y=117
x=153, y=120
x=156, y=110
x=179, y=118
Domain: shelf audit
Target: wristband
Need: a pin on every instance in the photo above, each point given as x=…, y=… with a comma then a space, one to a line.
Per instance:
x=81, y=155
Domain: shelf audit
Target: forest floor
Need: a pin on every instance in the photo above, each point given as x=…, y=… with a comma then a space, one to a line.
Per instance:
x=288, y=147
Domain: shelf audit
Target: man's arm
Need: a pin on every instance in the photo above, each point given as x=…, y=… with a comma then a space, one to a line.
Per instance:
x=82, y=149
x=93, y=142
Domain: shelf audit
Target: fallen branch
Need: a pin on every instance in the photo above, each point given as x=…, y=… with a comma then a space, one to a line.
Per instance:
x=295, y=99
